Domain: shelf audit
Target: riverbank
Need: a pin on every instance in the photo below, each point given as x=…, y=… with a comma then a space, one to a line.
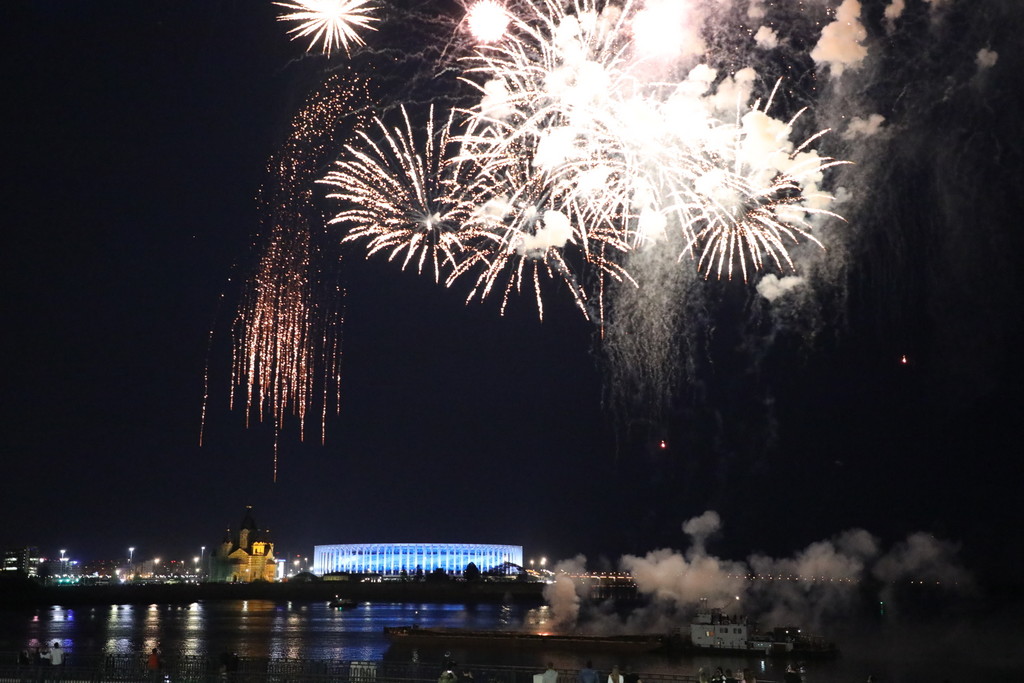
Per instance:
x=31, y=594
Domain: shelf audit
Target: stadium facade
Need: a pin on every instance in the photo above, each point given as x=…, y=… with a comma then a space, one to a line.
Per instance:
x=391, y=559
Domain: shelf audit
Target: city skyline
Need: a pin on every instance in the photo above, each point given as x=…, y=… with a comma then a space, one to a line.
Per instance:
x=141, y=139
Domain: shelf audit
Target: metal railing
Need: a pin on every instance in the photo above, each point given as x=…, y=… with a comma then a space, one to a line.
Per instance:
x=188, y=669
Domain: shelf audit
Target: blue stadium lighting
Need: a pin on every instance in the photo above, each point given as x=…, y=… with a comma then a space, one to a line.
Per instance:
x=391, y=559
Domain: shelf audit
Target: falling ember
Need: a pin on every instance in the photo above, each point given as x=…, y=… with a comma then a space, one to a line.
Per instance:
x=287, y=341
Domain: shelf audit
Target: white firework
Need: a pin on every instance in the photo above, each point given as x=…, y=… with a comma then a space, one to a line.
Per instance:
x=582, y=147
x=520, y=236
x=330, y=23
x=633, y=156
x=487, y=21
x=405, y=198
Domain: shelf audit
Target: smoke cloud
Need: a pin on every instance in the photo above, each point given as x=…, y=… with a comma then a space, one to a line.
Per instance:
x=824, y=581
x=986, y=58
x=862, y=128
x=564, y=595
x=771, y=286
x=700, y=528
x=840, y=46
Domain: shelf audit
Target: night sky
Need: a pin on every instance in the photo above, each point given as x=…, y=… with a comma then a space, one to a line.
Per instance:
x=137, y=140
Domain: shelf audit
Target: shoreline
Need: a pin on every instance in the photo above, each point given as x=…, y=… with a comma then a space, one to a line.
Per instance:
x=29, y=594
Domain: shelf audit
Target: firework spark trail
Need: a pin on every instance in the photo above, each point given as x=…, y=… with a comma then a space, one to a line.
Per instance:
x=519, y=234
x=400, y=198
x=287, y=340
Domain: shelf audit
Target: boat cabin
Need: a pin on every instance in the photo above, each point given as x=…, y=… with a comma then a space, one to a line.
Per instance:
x=711, y=628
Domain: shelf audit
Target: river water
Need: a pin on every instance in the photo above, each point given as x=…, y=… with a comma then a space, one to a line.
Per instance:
x=926, y=652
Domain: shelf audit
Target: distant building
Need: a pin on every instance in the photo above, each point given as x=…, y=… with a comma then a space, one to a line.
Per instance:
x=245, y=556
x=23, y=561
x=99, y=572
x=396, y=559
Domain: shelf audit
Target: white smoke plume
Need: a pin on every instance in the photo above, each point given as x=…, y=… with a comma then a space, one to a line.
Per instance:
x=564, y=595
x=822, y=582
x=862, y=128
x=771, y=286
x=922, y=557
x=700, y=528
x=668, y=576
x=840, y=44
x=893, y=12
x=766, y=38
x=986, y=58
x=827, y=572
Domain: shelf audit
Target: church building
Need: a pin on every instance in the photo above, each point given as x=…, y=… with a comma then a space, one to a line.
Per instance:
x=245, y=556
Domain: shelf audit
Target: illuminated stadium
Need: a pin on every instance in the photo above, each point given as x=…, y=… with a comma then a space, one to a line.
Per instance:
x=391, y=559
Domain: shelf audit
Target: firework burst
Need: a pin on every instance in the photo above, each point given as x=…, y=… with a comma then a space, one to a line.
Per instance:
x=331, y=23
x=519, y=236
x=403, y=197
x=626, y=157
x=487, y=21
x=603, y=148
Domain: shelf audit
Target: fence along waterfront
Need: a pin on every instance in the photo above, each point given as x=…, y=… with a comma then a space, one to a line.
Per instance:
x=186, y=669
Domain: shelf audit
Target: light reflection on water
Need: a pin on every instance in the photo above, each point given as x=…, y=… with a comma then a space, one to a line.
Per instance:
x=902, y=653
x=251, y=628
x=260, y=628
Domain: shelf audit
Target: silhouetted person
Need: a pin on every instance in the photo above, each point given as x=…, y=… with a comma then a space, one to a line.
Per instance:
x=587, y=674
x=550, y=675
x=56, y=655
x=615, y=676
x=154, y=664
x=791, y=675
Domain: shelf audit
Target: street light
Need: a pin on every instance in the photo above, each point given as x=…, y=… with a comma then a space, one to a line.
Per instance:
x=202, y=558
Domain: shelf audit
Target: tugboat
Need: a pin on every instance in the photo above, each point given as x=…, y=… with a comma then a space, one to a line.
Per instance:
x=713, y=630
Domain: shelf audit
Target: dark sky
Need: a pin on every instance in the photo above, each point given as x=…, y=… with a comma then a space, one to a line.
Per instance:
x=137, y=141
